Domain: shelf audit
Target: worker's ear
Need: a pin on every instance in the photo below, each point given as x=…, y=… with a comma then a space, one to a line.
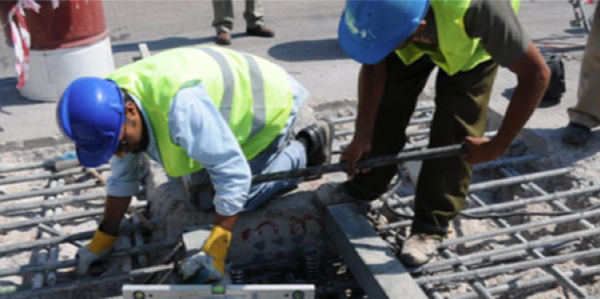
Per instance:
x=421, y=26
x=130, y=109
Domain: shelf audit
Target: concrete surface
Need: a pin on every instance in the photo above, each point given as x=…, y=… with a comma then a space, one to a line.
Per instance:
x=305, y=45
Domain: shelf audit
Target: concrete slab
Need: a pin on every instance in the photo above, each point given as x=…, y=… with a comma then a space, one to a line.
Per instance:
x=376, y=269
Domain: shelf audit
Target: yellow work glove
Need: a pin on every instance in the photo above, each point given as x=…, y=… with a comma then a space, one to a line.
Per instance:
x=210, y=262
x=99, y=246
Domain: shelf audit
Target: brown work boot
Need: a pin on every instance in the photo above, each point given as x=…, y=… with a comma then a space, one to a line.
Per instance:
x=261, y=31
x=418, y=249
x=223, y=38
x=331, y=194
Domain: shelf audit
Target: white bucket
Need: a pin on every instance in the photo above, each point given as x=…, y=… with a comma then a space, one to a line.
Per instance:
x=51, y=71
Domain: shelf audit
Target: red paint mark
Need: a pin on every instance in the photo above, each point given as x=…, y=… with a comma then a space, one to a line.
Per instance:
x=266, y=223
x=300, y=222
x=245, y=234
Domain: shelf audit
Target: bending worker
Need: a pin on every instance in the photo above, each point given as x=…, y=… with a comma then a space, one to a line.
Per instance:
x=399, y=43
x=200, y=111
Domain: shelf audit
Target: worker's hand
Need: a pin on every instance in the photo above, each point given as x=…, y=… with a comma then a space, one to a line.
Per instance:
x=481, y=149
x=99, y=246
x=209, y=264
x=353, y=153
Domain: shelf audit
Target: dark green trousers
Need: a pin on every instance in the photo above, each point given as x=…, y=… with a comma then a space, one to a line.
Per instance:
x=461, y=109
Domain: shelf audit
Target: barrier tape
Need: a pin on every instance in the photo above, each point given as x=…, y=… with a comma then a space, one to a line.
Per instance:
x=21, y=38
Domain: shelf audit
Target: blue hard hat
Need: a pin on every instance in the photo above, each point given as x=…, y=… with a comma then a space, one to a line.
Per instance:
x=91, y=112
x=371, y=29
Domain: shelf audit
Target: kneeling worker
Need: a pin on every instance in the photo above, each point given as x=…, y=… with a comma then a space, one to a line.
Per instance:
x=204, y=110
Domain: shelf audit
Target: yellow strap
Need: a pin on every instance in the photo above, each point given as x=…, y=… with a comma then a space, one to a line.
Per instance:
x=101, y=241
x=217, y=244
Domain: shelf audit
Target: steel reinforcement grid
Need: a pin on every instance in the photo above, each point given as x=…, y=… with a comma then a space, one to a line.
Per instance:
x=525, y=239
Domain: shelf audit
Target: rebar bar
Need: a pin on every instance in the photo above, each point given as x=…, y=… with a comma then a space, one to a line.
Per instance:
x=47, y=175
x=501, y=182
x=538, y=254
x=565, y=281
x=71, y=263
x=453, y=150
x=29, y=166
x=498, y=269
x=47, y=204
x=522, y=284
x=50, y=191
x=32, y=222
x=482, y=256
x=58, y=240
x=522, y=227
x=88, y=282
x=52, y=231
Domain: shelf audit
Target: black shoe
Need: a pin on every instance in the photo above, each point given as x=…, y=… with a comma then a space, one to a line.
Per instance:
x=576, y=134
x=318, y=137
x=261, y=31
x=223, y=38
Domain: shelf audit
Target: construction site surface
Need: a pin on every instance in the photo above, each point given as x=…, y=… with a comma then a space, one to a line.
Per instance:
x=539, y=238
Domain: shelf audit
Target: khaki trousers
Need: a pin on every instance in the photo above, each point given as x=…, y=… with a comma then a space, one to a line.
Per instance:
x=223, y=11
x=587, y=110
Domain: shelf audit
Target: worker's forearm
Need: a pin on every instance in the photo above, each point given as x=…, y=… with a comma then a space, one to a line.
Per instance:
x=371, y=84
x=525, y=100
x=114, y=210
x=226, y=222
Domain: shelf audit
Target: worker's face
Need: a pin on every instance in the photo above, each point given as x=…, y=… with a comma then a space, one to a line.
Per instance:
x=131, y=133
x=410, y=38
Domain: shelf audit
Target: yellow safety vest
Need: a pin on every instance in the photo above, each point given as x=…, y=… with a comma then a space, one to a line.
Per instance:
x=455, y=51
x=253, y=95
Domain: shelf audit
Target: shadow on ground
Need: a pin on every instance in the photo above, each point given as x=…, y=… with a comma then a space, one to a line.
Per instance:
x=308, y=50
x=169, y=43
x=568, y=154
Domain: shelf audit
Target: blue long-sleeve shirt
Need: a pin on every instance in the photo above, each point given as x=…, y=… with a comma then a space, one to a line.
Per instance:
x=196, y=125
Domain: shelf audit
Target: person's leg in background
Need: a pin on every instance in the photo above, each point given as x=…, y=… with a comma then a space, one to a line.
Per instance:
x=586, y=114
x=223, y=20
x=461, y=110
x=255, y=23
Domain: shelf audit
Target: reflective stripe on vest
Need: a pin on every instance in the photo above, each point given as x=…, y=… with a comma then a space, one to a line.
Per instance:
x=253, y=96
x=256, y=81
x=455, y=51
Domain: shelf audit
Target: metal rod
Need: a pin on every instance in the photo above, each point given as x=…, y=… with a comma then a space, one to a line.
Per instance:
x=49, y=191
x=481, y=256
x=522, y=227
x=58, y=240
x=538, y=254
x=453, y=150
x=557, y=204
x=32, y=222
x=503, y=182
x=498, y=269
x=70, y=263
x=47, y=175
x=87, y=282
x=50, y=230
x=25, y=167
x=506, y=161
x=51, y=204
x=565, y=281
x=523, y=284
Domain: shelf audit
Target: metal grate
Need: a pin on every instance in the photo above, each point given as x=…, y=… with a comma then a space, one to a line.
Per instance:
x=519, y=255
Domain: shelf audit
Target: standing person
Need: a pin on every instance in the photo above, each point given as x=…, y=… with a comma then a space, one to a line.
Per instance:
x=227, y=113
x=223, y=22
x=586, y=114
x=399, y=43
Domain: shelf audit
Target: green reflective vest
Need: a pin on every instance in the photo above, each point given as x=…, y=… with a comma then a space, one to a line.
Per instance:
x=455, y=51
x=253, y=95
